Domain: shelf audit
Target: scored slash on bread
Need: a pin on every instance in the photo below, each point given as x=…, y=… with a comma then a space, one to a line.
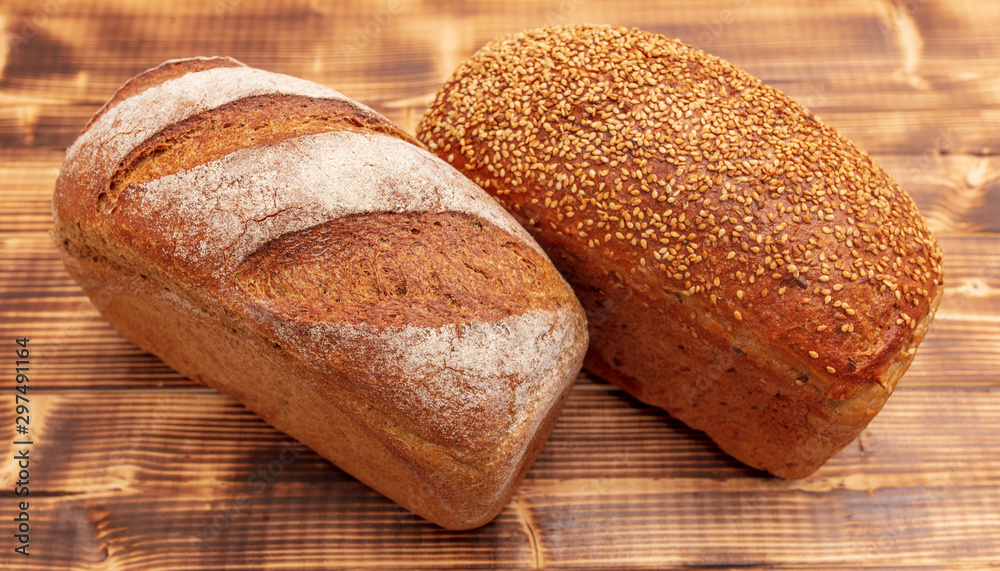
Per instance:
x=742, y=264
x=273, y=239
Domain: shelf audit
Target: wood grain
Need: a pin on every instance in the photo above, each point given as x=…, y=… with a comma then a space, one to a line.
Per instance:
x=612, y=464
x=137, y=467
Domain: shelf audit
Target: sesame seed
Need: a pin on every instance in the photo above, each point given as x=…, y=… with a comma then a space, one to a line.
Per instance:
x=738, y=316
x=831, y=370
x=814, y=354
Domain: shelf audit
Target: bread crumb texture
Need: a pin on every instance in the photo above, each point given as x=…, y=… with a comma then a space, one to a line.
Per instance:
x=687, y=174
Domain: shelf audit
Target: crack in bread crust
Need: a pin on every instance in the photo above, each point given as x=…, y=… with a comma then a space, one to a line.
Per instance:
x=100, y=150
x=247, y=122
x=219, y=213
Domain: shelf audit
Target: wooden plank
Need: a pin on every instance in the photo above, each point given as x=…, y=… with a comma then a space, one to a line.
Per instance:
x=850, y=60
x=619, y=483
x=858, y=36
x=926, y=433
x=134, y=464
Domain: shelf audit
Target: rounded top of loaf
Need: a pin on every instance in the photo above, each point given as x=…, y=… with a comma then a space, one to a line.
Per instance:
x=687, y=175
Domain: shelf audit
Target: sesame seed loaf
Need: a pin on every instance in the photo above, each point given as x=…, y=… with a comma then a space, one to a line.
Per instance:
x=271, y=238
x=742, y=264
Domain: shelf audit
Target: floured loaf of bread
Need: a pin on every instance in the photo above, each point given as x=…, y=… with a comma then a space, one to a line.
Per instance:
x=271, y=238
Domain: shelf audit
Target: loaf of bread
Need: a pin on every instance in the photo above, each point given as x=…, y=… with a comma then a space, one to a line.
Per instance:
x=275, y=240
x=742, y=264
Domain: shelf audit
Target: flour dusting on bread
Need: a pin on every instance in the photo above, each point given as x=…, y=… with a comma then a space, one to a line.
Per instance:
x=134, y=120
x=224, y=210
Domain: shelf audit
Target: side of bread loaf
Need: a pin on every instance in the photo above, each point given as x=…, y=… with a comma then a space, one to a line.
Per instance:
x=742, y=264
x=271, y=238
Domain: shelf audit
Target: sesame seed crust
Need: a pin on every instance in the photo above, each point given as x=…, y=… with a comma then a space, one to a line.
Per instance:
x=683, y=174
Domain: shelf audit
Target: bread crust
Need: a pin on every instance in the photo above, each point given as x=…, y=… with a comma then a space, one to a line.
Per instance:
x=243, y=123
x=435, y=395
x=171, y=69
x=702, y=215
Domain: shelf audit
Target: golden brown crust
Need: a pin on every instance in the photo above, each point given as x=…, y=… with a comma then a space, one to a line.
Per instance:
x=212, y=257
x=654, y=167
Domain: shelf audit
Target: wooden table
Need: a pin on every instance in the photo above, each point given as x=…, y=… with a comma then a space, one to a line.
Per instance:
x=135, y=467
